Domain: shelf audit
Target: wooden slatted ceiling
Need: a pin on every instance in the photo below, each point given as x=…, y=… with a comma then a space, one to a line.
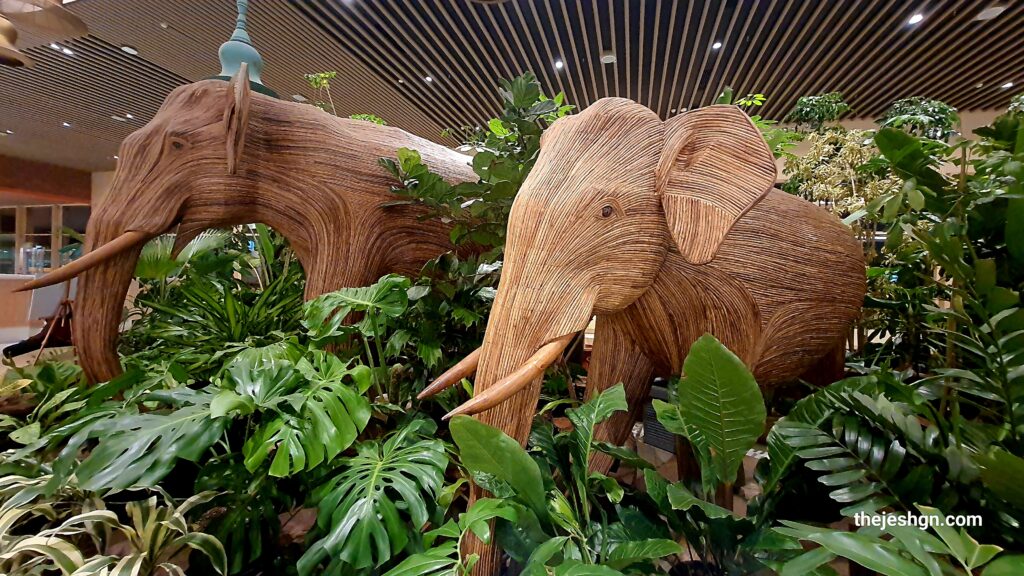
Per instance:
x=384, y=49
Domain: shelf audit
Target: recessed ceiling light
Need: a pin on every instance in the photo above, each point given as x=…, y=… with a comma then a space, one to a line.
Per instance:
x=979, y=85
x=54, y=45
x=1008, y=85
x=65, y=124
x=607, y=57
x=559, y=64
x=115, y=157
x=119, y=118
x=716, y=45
x=682, y=109
x=165, y=25
x=428, y=79
x=67, y=51
x=129, y=116
x=299, y=98
x=990, y=12
x=400, y=81
x=9, y=131
x=915, y=18
x=129, y=50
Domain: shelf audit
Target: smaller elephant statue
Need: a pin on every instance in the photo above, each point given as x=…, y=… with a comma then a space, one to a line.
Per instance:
x=218, y=155
x=664, y=231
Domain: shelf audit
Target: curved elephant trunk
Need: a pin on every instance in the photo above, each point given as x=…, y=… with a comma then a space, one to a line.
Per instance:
x=99, y=306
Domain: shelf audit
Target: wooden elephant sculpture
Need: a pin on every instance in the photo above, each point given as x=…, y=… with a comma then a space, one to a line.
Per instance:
x=217, y=154
x=664, y=231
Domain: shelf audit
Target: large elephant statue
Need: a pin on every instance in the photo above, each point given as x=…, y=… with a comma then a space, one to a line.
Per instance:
x=664, y=231
x=217, y=154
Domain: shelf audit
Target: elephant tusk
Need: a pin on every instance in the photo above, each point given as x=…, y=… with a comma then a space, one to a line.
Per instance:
x=531, y=370
x=87, y=261
x=465, y=368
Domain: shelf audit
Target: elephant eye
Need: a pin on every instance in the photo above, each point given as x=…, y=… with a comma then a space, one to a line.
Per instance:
x=177, y=143
x=607, y=211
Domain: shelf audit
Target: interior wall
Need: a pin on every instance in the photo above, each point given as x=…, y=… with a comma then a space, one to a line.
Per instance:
x=25, y=182
x=100, y=186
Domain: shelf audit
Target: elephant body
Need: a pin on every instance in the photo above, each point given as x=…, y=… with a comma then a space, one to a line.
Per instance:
x=768, y=296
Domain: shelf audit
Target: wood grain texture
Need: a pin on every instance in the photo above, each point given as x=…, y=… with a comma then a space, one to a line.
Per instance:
x=311, y=176
x=664, y=231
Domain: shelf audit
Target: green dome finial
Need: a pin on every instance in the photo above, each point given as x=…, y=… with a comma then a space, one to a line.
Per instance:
x=239, y=49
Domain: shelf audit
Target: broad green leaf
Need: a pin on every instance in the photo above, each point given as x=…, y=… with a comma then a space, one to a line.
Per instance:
x=721, y=404
x=577, y=568
x=627, y=553
x=535, y=565
x=478, y=518
x=140, y=449
x=439, y=560
x=683, y=499
x=489, y=450
x=870, y=552
x=1006, y=565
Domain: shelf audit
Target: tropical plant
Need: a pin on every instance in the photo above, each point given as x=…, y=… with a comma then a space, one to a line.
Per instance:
x=814, y=112
x=910, y=550
x=155, y=540
x=505, y=153
x=567, y=519
x=922, y=117
x=719, y=409
x=378, y=501
x=780, y=140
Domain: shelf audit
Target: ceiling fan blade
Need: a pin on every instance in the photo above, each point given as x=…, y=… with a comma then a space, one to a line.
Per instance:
x=46, y=18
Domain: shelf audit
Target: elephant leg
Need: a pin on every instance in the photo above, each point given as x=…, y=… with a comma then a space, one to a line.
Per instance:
x=615, y=359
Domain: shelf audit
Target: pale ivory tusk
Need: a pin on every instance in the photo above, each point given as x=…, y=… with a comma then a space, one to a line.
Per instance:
x=531, y=370
x=464, y=369
x=89, y=260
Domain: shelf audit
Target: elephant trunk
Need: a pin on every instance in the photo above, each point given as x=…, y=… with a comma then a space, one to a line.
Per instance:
x=99, y=306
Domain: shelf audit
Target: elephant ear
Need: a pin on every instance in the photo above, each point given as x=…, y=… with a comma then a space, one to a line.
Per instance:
x=715, y=167
x=236, y=116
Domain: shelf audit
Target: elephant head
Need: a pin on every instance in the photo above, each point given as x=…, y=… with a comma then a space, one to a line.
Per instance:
x=217, y=155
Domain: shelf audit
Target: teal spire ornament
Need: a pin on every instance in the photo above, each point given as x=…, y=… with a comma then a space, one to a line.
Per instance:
x=239, y=49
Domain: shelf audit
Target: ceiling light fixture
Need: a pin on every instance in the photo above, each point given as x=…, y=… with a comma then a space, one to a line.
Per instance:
x=115, y=157
x=428, y=79
x=8, y=131
x=559, y=64
x=130, y=50
x=916, y=18
x=119, y=118
x=979, y=85
x=129, y=116
x=55, y=46
x=400, y=81
x=67, y=51
x=716, y=45
x=1008, y=85
x=65, y=124
x=990, y=12
x=607, y=57
x=299, y=98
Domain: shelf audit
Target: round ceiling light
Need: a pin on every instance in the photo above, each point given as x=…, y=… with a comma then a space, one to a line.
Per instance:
x=129, y=50
x=607, y=57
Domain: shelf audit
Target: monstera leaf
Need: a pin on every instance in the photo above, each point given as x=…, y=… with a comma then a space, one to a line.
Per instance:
x=318, y=406
x=386, y=490
x=140, y=449
x=388, y=298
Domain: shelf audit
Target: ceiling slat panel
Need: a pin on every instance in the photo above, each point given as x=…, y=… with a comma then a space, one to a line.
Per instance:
x=383, y=49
